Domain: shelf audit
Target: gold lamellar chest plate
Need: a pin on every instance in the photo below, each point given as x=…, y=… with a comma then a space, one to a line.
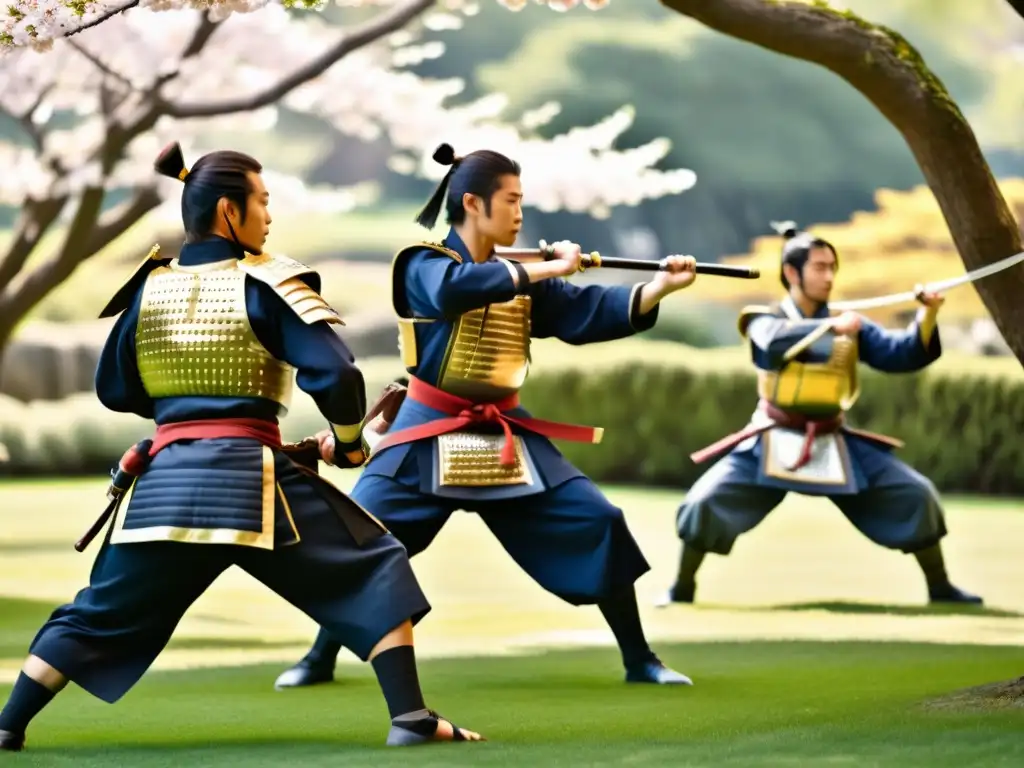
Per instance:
x=194, y=339
x=488, y=355
x=816, y=388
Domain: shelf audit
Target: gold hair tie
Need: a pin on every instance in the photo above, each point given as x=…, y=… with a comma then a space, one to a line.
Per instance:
x=182, y=174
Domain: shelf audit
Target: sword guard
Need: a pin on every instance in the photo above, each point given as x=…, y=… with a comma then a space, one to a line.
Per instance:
x=587, y=260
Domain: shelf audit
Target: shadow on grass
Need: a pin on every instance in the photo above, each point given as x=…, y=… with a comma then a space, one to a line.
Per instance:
x=840, y=606
x=20, y=619
x=366, y=752
x=229, y=644
x=36, y=547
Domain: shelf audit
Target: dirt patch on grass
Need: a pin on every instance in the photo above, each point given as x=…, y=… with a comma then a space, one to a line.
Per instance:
x=1008, y=694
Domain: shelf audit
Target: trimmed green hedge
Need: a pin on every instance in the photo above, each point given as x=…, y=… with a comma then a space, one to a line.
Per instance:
x=965, y=433
x=78, y=435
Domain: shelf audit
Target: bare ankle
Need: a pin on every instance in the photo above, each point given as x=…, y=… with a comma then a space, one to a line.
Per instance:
x=44, y=674
x=399, y=636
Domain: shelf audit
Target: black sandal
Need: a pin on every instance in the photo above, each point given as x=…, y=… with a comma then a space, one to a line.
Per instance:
x=409, y=733
x=11, y=741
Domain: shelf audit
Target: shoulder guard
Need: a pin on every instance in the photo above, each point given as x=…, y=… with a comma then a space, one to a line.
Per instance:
x=296, y=283
x=398, y=264
x=748, y=313
x=123, y=298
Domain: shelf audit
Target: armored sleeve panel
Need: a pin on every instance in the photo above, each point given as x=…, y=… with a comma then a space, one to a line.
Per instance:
x=749, y=313
x=399, y=301
x=130, y=288
x=297, y=284
x=408, y=346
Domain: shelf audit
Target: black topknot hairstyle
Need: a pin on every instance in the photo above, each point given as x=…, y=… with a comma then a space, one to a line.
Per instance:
x=796, y=247
x=215, y=175
x=478, y=173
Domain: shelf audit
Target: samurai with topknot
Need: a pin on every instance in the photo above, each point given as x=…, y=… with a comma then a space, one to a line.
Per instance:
x=806, y=357
x=462, y=440
x=208, y=345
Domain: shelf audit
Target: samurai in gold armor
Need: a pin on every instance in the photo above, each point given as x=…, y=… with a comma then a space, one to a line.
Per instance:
x=208, y=346
x=462, y=441
x=807, y=358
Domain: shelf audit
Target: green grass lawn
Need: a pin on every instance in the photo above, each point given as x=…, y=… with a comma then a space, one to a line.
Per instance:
x=808, y=646
x=754, y=704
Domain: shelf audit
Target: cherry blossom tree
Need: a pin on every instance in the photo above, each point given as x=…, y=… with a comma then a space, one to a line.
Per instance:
x=98, y=87
x=37, y=23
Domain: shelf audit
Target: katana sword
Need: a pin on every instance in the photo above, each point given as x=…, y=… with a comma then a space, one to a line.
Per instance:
x=594, y=259
x=856, y=305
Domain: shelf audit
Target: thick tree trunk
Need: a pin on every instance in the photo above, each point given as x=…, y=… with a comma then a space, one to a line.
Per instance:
x=890, y=73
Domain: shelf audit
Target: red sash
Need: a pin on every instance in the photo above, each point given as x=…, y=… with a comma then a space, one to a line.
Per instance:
x=779, y=418
x=134, y=461
x=462, y=413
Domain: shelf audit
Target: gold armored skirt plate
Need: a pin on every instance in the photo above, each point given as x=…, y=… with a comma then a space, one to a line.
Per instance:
x=473, y=459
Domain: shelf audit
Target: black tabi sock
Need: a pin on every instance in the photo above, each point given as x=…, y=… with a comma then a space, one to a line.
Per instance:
x=399, y=680
x=27, y=700
x=324, y=652
x=689, y=562
x=933, y=565
x=623, y=616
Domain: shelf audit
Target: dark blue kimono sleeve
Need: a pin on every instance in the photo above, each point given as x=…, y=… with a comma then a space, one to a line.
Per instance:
x=902, y=351
x=771, y=337
x=325, y=367
x=118, y=383
x=586, y=315
x=439, y=286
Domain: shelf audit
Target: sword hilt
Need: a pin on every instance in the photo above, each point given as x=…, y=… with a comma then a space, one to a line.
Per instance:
x=595, y=259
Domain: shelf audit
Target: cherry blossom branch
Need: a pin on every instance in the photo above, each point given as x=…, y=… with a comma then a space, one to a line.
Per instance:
x=116, y=222
x=25, y=122
x=203, y=32
x=100, y=64
x=37, y=23
x=104, y=17
x=20, y=296
x=386, y=22
x=355, y=86
x=34, y=220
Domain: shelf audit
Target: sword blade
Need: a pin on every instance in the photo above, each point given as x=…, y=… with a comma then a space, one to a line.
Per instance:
x=941, y=286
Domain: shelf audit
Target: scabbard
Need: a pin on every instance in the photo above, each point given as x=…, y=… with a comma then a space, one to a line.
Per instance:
x=305, y=453
x=131, y=465
x=387, y=404
x=97, y=526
